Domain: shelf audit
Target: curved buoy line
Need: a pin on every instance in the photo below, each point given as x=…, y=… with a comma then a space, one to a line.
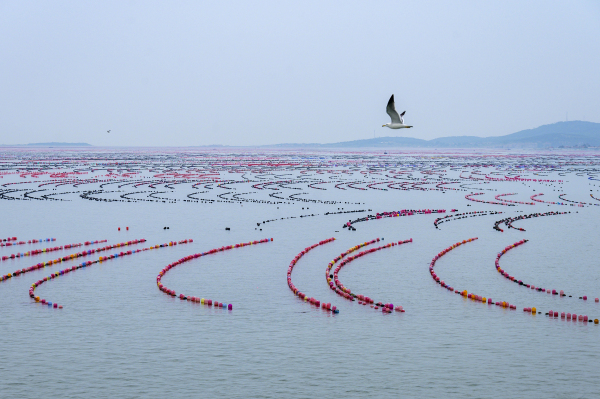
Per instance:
x=497, y=197
x=464, y=293
x=208, y=302
x=392, y=214
x=34, y=252
x=508, y=221
x=565, y=316
x=76, y=255
x=10, y=241
x=329, y=277
x=468, y=196
x=89, y=263
x=579, y=203
x=345, y=292
x=298, y=293
x=504, y=273
x=464, y=215
x=536, y=199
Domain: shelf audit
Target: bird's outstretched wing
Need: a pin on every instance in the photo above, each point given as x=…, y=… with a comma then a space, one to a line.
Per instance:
x=391, y=111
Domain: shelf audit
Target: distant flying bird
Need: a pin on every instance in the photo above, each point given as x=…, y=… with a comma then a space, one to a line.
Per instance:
x=397, y=120
x=108, y=131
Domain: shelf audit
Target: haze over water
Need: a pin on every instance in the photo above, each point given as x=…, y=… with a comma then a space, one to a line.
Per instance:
x=119, y=336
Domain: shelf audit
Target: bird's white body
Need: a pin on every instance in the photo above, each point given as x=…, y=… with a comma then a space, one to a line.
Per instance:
x=396, y=126
x=397, y=120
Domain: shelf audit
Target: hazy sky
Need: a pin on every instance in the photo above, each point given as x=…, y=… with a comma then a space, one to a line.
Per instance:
x=244, y=73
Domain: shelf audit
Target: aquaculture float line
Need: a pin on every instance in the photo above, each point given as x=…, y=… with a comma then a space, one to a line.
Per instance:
x=534, y=198
x=507, y=178
x=76, y=255
x=561, y=293
x=564, y=316
x=9, y=242
x=208, y=302
x=393, y=214
x=508, y=221
x=298, y=293
x=464, y=293
x=497, y=197
x=89, y=263
x=578, y=203
x=464, y=215
x=468, y=196
x=571, y=317
x=345, y=292
x=34, y=252
x=329, y=277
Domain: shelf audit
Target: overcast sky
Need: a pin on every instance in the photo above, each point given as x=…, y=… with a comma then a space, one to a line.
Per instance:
x=252, y=72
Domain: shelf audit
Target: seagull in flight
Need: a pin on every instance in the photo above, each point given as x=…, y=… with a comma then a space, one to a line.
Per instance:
x=397, y=120
x=108, y=131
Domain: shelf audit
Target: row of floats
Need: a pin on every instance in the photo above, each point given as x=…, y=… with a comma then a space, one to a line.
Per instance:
x=89, y=263
x=341, y=290
x=196, y=299
x=10, y=241
x=40, y=251
x=504, y=304
x=392, y=214
x=76, y=255
x=331, y=273
x=509, y=221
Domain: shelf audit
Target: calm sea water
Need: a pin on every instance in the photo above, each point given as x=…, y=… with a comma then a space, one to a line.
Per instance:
x=118, y=336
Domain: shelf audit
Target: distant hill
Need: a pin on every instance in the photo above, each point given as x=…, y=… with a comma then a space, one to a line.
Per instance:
x=52, y=144
x=571, y=134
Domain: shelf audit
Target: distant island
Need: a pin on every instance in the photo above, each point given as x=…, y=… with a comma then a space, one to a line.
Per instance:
x=52, y=144
x=572, y=134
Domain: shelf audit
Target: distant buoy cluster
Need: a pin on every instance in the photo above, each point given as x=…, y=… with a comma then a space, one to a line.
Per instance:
x=463, y=215
x=518, y=178
x=76, y=255
x=340, y=289
x=9, y=242
x=86, y=264
x=463, y=293
x=34, y=252
x=298, y=293
x=195, y=299
x=509, y=221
